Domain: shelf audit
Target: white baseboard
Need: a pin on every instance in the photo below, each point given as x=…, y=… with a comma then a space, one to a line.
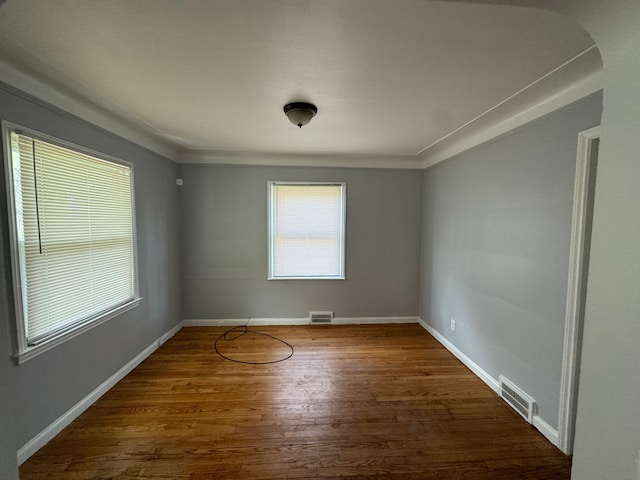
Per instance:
x=547, y=430
x=543, y=427
x=231, y=322
x=163, y=339
x=41, y=439
x=471, y=365
x=373, y=320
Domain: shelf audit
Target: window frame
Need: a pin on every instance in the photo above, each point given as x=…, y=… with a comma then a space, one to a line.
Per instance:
x=24, y=350
x=270, y=230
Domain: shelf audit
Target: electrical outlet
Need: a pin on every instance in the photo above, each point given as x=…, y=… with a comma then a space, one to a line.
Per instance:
x=453, y=325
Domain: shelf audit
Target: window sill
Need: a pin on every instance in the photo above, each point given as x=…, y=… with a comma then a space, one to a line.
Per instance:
x=307, y=278
x=35, y=350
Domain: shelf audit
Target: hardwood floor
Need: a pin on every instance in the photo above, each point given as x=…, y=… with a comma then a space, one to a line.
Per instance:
x=385, y=402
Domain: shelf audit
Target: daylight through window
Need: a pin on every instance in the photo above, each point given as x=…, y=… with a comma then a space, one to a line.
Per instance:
x=73, y=242
x=306, y=230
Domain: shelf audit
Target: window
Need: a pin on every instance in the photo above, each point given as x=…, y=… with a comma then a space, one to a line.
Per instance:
x=72, y=236
x=306, y=230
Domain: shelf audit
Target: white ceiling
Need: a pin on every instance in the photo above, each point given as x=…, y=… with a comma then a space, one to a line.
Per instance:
x=390, y=78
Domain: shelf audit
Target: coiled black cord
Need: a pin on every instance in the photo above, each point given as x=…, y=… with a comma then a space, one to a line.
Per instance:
x=242, y=330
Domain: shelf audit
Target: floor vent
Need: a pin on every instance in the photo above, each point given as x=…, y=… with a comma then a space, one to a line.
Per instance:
x=517, y=399
x=320, y=318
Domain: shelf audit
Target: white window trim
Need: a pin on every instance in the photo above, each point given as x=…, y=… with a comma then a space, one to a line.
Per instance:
x=24, y=350
x=270, y=221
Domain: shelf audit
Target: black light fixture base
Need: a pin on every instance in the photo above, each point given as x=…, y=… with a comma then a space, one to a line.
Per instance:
x=300, y=113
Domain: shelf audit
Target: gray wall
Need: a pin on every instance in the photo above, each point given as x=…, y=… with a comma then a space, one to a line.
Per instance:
x=224, y=243
x=8, y=441
x=36, y=393
x=495, y=250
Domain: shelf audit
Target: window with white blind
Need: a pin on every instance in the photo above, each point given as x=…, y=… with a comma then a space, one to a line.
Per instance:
x=73, y=243
x=306, y=230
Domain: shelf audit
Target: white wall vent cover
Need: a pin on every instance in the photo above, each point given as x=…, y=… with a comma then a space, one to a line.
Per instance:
x=517, y=399
x=323, y=318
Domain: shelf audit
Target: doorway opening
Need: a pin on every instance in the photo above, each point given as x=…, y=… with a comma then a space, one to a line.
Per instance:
x=583, y=198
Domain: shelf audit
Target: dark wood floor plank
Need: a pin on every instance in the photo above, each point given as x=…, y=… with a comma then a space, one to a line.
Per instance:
x=383, y=402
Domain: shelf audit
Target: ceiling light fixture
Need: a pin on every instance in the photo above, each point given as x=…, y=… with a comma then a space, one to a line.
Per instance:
x=300, y=113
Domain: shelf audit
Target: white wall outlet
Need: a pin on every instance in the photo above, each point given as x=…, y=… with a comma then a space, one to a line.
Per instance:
x=453, y=325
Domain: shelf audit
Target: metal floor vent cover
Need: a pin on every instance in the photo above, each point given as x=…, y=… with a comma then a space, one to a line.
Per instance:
x=522, y=403
x=323, y=318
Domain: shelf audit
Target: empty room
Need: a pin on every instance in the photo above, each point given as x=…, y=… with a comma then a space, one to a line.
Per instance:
x=277, y=239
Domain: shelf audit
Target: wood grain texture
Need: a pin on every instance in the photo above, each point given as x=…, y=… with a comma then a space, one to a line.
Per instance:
x=374, y=401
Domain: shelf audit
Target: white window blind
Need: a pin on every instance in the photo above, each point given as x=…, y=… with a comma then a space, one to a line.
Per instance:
x=307, y=230
x=73, y=234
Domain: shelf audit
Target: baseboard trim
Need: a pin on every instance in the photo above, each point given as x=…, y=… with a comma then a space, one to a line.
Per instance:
x=42, y=438
x=547, y=430
x=543, y=427
x=232, y=322
x=373, y=320
x=471, y=365
x=163, y=339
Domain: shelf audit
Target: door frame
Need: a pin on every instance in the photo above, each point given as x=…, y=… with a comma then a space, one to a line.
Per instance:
x=576, y=289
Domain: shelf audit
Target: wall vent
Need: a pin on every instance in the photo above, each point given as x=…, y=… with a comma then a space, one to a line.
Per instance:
x=321, y=318
x=517, y=399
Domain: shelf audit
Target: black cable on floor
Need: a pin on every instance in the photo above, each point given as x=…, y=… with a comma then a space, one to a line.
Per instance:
x=243, y=330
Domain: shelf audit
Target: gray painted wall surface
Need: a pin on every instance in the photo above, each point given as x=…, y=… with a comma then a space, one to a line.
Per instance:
x=608, y=424
x=8, y=442
x=495, y=250
x=45, y=387
x=224, y=226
